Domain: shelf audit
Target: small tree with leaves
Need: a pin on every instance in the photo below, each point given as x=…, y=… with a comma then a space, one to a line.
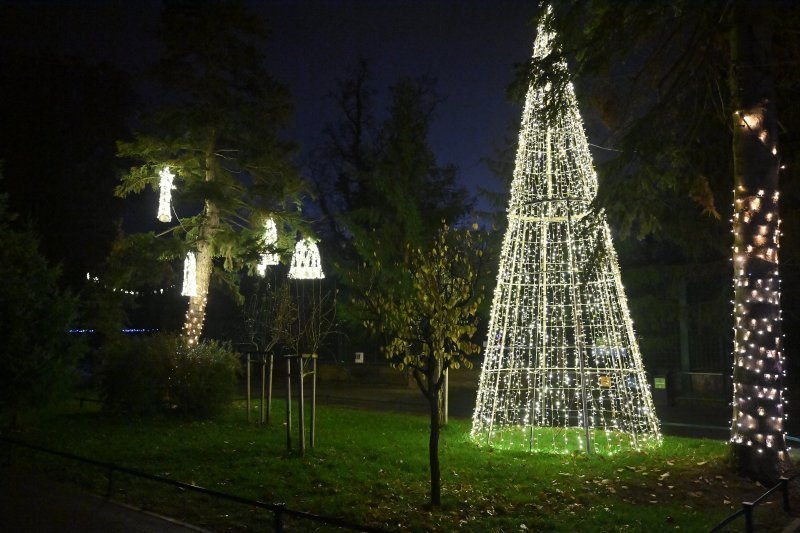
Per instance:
x=429, y=319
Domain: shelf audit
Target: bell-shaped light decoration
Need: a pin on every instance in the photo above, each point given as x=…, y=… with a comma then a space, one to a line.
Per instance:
x=270, y=238
x=165, y=195
x=306, y=262
x=189, y=275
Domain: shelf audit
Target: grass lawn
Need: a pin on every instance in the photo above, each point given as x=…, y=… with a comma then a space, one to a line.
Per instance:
x=372, y=468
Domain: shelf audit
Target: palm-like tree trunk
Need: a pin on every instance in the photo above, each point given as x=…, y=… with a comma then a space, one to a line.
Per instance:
x=757, y=435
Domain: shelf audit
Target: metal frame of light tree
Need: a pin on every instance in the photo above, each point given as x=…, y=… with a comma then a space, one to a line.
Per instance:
x=562, y=369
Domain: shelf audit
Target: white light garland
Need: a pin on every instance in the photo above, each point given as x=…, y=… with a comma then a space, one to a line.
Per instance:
x=189, y=275
x=165, y=195
x=270, y=238
x=562, y=369
x=758, y=359
x=306, y=263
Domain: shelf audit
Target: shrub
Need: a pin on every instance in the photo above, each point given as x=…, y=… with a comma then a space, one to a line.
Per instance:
x=135, y=374
x=203, y=378
x=145, y=375
x=37, y=356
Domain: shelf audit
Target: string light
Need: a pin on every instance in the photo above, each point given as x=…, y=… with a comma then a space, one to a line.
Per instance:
x=193, y=325
x=189, y=275
x=562, y=368
x=165, y=195
x=758, y=360
x=95, y=279
x=270, y=238
x=306, y=263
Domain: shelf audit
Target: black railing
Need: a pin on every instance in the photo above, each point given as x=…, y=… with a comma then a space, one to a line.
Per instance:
x=279, y=510
x=748, y=507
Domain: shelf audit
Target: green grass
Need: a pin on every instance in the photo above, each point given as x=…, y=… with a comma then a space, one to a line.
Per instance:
x=372, y=468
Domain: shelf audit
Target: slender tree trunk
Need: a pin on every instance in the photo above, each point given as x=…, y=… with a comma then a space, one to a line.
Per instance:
x=196, y=312
x=757, y=436
x=433, y=447
x=429, y=388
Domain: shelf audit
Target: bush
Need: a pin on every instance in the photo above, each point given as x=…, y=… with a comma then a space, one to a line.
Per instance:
x=135, y=374
x=203, y=378
x=145, y=375
x=37, y=355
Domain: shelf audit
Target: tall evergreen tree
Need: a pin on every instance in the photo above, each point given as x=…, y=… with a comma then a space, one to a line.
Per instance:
x=217, y=128
x=381, y=187
x=691, y=79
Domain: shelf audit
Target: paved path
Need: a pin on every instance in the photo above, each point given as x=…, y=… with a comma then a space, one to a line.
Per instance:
x=31, y=503
x=700, y=421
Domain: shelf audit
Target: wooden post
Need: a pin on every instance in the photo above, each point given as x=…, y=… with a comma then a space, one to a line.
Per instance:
x=313, y=399
x=446, y=412
x=269, y=391
x=263, y=384
x=301, y=399
x=288, y=403
x=248, y=387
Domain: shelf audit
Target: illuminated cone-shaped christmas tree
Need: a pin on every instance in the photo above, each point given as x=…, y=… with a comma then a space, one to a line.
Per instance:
x=562, y=368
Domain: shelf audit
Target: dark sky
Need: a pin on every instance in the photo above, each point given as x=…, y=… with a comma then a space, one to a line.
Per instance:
x=469, y=46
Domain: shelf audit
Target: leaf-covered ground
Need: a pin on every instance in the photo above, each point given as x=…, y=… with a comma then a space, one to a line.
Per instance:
x=372, y=468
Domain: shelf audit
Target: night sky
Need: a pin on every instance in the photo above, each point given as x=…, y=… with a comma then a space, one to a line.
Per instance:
x=469, y=46
x=60, y=124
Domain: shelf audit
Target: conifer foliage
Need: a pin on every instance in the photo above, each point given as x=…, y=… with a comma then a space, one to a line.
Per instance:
x=217, y=129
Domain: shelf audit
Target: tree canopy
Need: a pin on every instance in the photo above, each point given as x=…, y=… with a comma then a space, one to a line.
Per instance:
x=379, y=185
x=218, y=127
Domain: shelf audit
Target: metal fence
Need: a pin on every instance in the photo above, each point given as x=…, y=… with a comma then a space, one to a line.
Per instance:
x=279, y=510
x=748, y=507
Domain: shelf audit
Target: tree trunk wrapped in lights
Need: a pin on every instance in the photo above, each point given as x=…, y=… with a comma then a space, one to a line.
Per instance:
x=562, y=368
x=757, y=433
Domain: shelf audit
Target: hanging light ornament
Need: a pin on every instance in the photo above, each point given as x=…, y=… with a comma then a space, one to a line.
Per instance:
x=165, y=195
x=270, y=238
x=306, y=263
x=189, y=275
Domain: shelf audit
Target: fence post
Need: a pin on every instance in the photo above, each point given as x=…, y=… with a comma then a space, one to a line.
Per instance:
x=277, y=511
x=747, y=507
